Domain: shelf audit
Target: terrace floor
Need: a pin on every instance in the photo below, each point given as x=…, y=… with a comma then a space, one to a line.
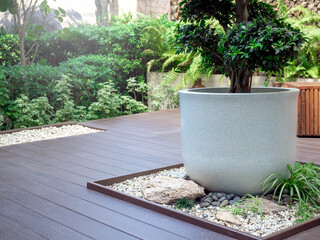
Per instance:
x=43, y=192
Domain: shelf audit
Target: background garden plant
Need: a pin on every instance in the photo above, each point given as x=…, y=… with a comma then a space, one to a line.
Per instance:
x=307, y=63
x=121, y=50
x=93, y=58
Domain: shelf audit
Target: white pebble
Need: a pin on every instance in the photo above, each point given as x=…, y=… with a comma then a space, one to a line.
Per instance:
x=25, y=136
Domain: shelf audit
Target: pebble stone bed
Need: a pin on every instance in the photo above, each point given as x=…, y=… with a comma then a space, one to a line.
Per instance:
x=207, y=207
x=32, y=135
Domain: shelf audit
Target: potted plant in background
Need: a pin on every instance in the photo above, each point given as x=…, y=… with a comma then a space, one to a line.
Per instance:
x=232, y=139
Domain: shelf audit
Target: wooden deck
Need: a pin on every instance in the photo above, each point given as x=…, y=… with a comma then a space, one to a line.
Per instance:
x=43, y=192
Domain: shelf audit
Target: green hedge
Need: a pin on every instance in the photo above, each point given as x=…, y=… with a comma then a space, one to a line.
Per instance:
x=9, y=49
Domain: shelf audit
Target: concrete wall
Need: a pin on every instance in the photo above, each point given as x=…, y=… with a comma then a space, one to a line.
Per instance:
x=152, y=7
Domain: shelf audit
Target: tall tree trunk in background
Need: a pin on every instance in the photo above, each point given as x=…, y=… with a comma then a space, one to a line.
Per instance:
x=242, y=10
x=23, y=58
x=23, y=12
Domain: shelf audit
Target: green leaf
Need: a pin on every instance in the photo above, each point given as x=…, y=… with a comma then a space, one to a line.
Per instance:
x=62, y=11
x=43, y=5
x=313, y=72
x=56, y=12
x=38, y=28
x=60, y=19
x=48, y=9
x=4, y=5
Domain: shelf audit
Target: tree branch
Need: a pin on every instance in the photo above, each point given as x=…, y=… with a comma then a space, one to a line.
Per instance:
x=32, y=11
x=36, y=52
x=24, y=12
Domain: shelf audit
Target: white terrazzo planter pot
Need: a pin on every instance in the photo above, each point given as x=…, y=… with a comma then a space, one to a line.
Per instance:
x=232, y=142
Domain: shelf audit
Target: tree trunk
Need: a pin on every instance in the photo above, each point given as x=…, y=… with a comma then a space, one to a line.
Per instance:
x=241, y=80
x=242, y=10
x=22, y=50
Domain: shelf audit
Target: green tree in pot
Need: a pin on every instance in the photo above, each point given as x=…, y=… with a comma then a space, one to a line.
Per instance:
x=255, y=37
x=244, y=135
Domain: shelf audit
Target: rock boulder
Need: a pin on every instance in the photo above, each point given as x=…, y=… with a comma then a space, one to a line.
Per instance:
x=165, y=190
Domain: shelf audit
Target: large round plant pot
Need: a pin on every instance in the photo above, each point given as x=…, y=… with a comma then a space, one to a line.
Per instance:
x=232, y=142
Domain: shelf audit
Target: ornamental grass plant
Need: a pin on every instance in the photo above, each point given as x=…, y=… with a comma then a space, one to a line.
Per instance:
x=303, y=185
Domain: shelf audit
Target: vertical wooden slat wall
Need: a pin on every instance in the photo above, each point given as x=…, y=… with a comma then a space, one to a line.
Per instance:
x=308, y=108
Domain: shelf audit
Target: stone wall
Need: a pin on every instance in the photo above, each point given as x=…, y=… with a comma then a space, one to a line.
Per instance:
x=313, y=5
x=174, y=10
x=152, y=7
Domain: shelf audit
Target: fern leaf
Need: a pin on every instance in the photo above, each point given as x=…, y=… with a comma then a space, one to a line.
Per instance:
x=148, y=52
x=313, y=72
x=171, y=60
x=150, y=64
x=169, y=77
x=305, y=11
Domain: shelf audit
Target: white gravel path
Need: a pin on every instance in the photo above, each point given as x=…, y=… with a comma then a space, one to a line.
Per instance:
x=45, y=133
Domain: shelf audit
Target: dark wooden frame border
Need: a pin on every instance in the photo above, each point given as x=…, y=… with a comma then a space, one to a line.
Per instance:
x=102, y=187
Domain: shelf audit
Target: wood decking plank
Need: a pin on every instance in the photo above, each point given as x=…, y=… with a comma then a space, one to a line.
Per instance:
x=141, y=214
x=155, y=141
x=28, y=161
x=10, y=230
x=108, y=136
x=93, y=167
x=311, y=234
x=102, y=142
x=36, y=156
x=43, y=184
x=100, y=214
x=61, y=214
x=110, y=158
x=91, y=151
x=37, y=223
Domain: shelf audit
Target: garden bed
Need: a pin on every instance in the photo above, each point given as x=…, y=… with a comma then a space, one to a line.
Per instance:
x=104, y=186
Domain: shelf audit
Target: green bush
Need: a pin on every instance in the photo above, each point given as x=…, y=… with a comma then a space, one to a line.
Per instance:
x=9, y=49
x=66, y=109
x=32, y=80
x=56, y=47
x=89, y=71
x=132, y=106
x=108, y=104
x=4, y=96
x=28, y=113
x=111, y=104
